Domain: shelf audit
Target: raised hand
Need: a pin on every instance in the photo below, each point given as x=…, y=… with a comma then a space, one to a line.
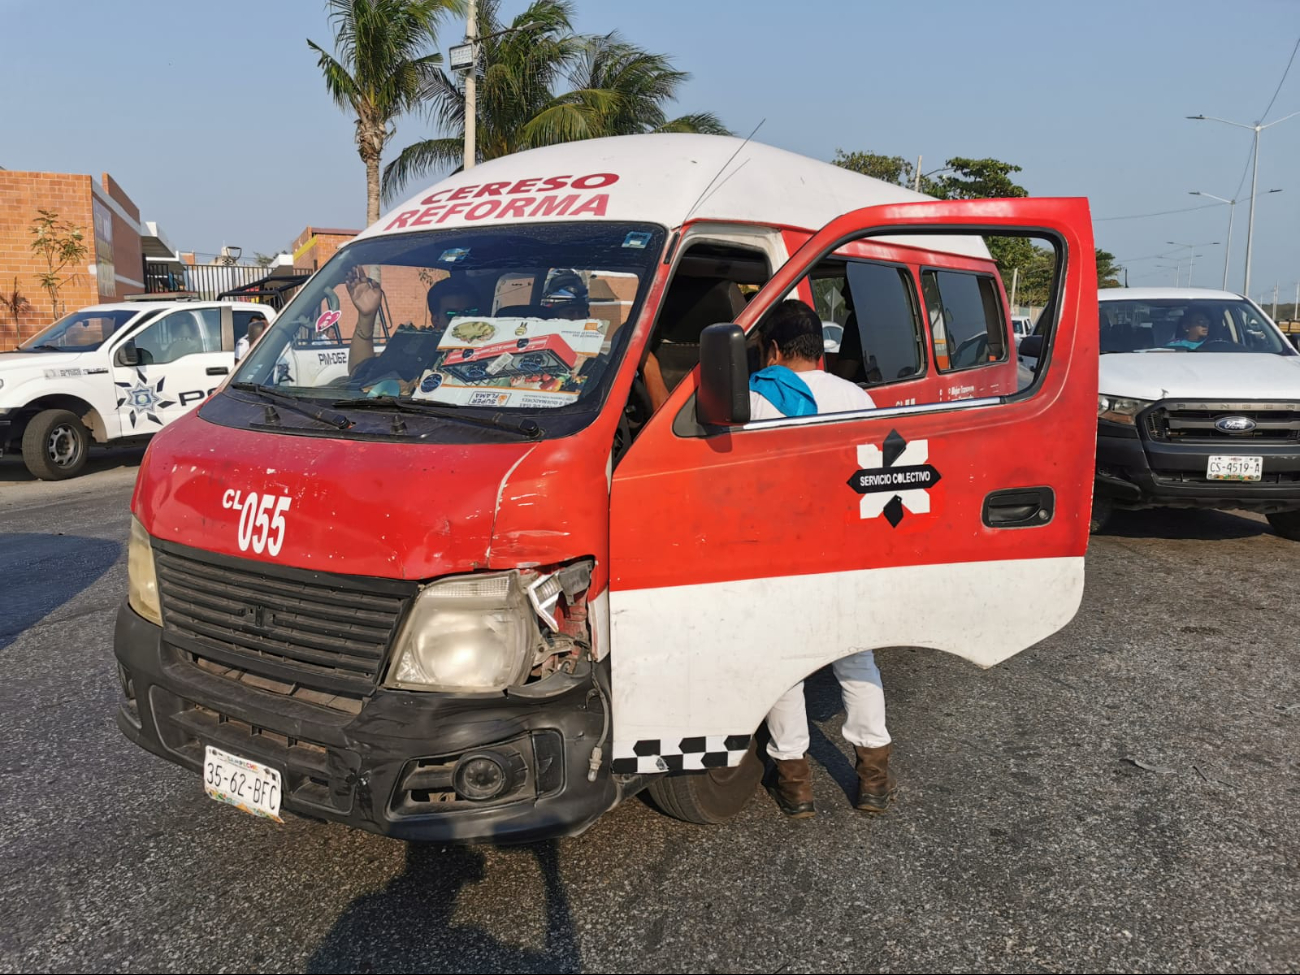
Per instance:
x=364, y=292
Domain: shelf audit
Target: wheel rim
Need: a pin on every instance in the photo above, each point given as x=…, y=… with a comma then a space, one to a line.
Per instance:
x=63, y=446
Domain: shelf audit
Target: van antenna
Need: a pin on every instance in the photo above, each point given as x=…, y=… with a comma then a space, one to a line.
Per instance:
x=704, y=192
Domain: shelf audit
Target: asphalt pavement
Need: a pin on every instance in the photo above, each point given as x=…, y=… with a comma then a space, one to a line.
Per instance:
x=1121, y=797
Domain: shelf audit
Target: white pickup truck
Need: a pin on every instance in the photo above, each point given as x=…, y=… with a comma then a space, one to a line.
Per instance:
x=114, y=373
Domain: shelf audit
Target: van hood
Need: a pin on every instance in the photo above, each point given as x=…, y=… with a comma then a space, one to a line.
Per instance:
x=1200, y=375
x=367, y=508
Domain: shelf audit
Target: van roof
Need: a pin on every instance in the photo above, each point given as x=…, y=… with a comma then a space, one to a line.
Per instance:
x=664, y=178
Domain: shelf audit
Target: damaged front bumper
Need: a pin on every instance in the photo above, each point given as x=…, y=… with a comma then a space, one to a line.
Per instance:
x=388, y=763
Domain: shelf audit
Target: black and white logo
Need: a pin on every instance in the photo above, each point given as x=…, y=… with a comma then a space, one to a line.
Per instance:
x=894, y=479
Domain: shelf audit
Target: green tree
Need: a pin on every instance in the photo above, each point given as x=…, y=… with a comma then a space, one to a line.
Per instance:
x=1107, y=270
x=387, y=56
x=891, y=169
x=60, y=245
x=539, y=84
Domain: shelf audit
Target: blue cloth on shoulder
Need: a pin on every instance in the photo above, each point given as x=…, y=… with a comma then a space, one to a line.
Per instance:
x=783, y=388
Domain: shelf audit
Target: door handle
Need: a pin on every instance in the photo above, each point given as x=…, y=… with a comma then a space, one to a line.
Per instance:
x=218, y=371
x=1020, y=507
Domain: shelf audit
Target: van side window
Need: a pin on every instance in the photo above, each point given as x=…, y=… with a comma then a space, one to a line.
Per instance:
x=882, y=340
x=965, y=314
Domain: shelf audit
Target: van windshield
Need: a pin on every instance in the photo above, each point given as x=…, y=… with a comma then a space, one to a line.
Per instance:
x=509, y=318
x=83, y=331
x=1187, y=325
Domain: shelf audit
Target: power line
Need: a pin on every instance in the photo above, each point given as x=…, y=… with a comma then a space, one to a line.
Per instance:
x=1156, y=213
x=1283, y=81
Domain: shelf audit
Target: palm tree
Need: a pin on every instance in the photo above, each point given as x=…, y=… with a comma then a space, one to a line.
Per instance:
x=381, y=70
x=607, y=86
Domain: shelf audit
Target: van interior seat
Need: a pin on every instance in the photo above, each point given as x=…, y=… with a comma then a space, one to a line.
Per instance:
x=690, y=306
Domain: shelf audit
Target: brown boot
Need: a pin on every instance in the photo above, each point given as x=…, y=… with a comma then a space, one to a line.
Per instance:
x=876, y=786
x=792, y=788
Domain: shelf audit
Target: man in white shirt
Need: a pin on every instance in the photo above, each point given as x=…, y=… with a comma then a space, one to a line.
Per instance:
x=792, y=383
x=255, y=329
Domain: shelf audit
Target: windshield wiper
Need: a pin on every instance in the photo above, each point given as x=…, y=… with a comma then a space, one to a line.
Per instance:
x=526, y=428
x=43, y=347
x=295, y=404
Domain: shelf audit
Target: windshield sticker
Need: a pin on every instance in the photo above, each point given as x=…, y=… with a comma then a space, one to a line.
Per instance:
x=327, y=319
x=894, y=480
x=637, y=239
x=454, y=254
x=512, y=361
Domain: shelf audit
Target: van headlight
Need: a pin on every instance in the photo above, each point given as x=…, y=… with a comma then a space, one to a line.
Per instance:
x=467, y=633
x=142, y=580
x=1118, y=409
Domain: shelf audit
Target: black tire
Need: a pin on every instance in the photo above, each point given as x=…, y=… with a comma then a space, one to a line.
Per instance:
x=1286, y=524
x=55, y=445
x=709, y=797
x=1102, y=509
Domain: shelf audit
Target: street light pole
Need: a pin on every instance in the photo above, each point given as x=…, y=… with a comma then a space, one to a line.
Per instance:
x=471, y=92
x=1232, y=212
x=1257, y=128
x=1192, y=257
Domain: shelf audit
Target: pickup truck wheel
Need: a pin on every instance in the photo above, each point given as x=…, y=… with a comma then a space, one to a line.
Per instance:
x=712, y=796
x=55, y=445
x=1286, y=524
x=1102, y=509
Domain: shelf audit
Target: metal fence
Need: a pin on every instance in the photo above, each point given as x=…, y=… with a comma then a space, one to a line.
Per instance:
x=206, y=280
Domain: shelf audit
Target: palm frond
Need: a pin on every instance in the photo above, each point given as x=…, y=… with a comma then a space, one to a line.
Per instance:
x=703, y=123
x=338, y=82
x=418, y=160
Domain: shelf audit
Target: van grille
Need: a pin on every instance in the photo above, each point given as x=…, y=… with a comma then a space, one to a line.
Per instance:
x=311, y=635
x=1179, y=422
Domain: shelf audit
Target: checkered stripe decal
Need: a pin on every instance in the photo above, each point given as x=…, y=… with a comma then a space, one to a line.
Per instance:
x=684, y=755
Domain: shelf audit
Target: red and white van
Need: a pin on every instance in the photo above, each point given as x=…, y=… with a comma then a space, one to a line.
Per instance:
x=488, y=596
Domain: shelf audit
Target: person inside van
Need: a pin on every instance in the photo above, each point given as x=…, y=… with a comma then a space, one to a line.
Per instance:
x=397, y=369
x=791, y=383
x=1195, y=327
x=255, y=329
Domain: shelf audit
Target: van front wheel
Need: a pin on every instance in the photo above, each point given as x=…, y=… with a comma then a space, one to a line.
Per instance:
x=55, y=445
x=1286, y=524
x=712, y=796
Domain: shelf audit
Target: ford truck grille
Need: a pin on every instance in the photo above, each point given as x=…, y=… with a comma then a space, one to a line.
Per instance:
x=1194, y=423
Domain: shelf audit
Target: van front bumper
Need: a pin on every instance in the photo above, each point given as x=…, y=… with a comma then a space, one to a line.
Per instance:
x=390, y=767
x=1136, y=471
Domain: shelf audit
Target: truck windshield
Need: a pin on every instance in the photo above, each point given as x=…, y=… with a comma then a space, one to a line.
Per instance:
x=525, y=318
x=1185, y=325
x=82, y=331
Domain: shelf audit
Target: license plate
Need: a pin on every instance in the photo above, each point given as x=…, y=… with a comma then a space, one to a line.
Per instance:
x=1231, y=468
x=244, y=784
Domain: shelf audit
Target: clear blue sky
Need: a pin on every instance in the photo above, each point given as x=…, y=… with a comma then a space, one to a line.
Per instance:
x=214, y=118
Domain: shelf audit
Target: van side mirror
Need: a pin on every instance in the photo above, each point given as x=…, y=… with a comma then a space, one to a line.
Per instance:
x=1295, y=340
x=128, y=354
x=723, y=397
x=1031, y=346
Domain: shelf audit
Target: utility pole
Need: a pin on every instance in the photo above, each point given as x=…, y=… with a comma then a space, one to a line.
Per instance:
x=916, y=183
x=471, y=99
x=1015, y=280
x=1274, y=301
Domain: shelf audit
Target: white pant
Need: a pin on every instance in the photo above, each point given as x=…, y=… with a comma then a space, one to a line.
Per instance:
x=864, y=704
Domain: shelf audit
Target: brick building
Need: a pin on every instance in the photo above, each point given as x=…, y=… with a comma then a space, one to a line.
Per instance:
x=114, y=264
x=316, y=245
